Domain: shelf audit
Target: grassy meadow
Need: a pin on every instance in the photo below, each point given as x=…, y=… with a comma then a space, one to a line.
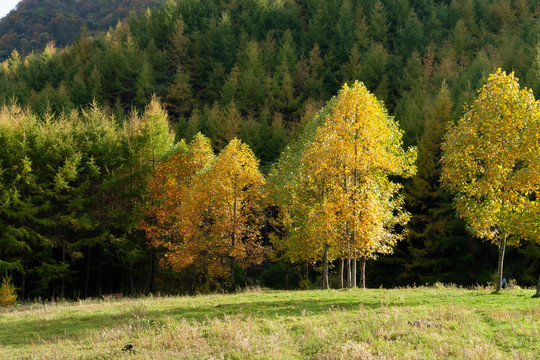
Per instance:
x=412, y=323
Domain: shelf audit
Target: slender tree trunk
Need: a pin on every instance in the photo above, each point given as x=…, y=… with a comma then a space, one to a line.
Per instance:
x=193, y=279
x=100, y=268
x=150, y=279
x=353, y=276
x=324, y=284
x=63, y=284
x=233, y=239
x=170, y=280
x=23, y=286
x=355, y=192
x=502, y=248
x=307, y=273
x=87, y=273
x=349, y=277
x=538, y=288
x=362, y=272
x=341, y=266
x=131, y=278
x=233, y=280
x=287, y=276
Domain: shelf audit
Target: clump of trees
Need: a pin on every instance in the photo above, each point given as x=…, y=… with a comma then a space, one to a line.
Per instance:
x=333, y=188
x=206, y=210
x=258, y=73
x=72, y=186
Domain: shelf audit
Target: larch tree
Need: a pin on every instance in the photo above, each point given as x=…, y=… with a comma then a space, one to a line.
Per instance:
x=145, y=138
x=174, y=216
x=491, y=161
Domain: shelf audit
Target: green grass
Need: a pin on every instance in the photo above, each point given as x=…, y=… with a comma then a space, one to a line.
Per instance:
x=416, y=323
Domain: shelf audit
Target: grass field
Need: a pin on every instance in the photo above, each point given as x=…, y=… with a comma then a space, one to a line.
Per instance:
x=416, y=323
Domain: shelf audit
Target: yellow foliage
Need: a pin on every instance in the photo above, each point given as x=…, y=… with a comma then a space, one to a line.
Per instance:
x=491, y=161
x=8, y=295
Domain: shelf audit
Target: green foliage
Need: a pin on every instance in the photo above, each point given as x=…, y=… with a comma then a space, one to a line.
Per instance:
x=255, y=70
x=36, y=23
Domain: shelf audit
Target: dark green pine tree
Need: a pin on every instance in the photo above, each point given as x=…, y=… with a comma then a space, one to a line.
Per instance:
x=437, y=243
x=23, y=219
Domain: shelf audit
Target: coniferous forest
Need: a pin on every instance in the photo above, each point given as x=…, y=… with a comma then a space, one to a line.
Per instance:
x=198, y=145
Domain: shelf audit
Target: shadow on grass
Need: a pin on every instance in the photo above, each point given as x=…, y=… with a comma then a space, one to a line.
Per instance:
x=34, y=331
x=77, y=326
x=270, y=308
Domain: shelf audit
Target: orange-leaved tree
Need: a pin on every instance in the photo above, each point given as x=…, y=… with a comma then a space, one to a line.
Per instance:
x=175, y=214
x=491, y=161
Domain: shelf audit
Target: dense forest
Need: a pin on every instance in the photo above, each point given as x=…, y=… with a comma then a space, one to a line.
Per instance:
x=84, y=128
x=36, y=23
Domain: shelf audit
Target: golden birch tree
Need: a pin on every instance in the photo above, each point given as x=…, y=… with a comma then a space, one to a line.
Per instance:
x=234, y=190
x=491, y=161
x=361, y=145
x=332, y=184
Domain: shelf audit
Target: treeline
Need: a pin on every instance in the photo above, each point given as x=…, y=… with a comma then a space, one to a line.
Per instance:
x=259, y=70
x=72, y=187
x=36, y=23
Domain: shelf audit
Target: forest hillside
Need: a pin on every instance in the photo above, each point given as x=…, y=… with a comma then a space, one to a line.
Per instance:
x=77, y=218
x=35, y=23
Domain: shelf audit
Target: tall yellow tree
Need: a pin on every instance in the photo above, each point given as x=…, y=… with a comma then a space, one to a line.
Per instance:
x=234, y=190
x=491, y=161
x=360, y=145
x=332, y=184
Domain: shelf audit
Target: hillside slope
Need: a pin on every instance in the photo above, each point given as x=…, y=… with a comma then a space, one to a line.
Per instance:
x=36, y=22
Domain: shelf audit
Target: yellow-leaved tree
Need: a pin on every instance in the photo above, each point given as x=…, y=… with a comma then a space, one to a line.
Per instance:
x=234, y=189
x=491, y=161
x=333, y=184
x=206, y=210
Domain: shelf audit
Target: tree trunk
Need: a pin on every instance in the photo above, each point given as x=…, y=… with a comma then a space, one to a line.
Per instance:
x=23, y=286
x=131, y=279
x=150, y=279
x=353, y=276
x=100, y=272
x=324, y=284
x=502, y=248
x=63, y=283
x=87, y=274
x=287, y=276
x=193, y=279
x=349, y=280
x=233, y=239
x=538, y=288
x=362, y=272
x=233, y=280
x=341, y=266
